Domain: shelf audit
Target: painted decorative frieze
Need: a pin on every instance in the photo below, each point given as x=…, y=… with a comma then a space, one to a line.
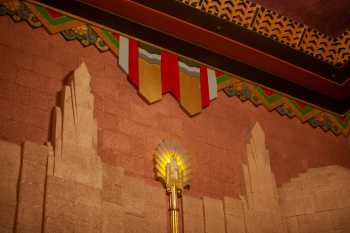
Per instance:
x=252, y=16
x=154, y=71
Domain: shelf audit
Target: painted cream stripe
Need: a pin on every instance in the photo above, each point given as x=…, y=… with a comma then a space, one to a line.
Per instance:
x=151, y=58
x=213, y=87
x=192, y=71
x=124, y=53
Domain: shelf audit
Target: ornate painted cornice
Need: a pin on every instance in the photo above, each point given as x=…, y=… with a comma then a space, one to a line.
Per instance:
x=254, y=17
x=106, y=39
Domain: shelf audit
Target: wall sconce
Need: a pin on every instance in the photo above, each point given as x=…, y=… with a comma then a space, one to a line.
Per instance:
x=172, y=168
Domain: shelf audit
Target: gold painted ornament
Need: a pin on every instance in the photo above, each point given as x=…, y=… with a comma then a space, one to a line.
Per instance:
x=172, y=168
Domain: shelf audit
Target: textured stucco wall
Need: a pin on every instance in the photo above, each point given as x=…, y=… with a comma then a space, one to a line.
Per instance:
x=34, y=64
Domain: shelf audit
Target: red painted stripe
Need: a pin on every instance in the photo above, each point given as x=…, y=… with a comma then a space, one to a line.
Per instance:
x=136, y=12
x=115, y=35
x=204, y=86
x=163, y=67
x=301, y=104
x=170, y=74
x=53, y=14
x=268, y=92
x=133, y=63
x=218, y=73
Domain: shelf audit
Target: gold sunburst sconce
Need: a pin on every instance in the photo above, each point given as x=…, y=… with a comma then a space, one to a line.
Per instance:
x=172, y=168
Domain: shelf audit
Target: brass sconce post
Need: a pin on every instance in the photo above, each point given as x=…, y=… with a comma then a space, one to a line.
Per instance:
x=174, y=211
x=173, y=170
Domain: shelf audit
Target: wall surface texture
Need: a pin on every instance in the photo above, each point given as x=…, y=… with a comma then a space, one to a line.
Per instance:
x=34, y=65
x=86, y=165
x=64, y=187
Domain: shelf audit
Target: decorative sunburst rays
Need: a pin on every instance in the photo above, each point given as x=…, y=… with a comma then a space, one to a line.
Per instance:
x=170, y=157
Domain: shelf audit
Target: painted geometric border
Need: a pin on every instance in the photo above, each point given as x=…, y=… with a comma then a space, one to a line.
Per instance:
x=254, y=17
x=105, y=39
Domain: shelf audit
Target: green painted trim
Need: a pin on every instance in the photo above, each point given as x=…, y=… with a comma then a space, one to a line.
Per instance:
x=109, y=35
x=344, y=125
x=327, y=121
x=270, y=99
x=305, y=110
x=223, y=78
x=54, y=22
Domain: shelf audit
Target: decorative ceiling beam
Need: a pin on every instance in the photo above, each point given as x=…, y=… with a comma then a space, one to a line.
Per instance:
x=254, y=17
x=213, y=49
x=294, y=45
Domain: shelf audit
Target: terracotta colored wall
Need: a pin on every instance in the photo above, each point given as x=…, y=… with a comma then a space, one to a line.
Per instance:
x=33, y=65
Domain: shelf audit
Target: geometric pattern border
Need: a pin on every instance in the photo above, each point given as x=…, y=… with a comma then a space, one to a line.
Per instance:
x=333, y=50
x=105, y=39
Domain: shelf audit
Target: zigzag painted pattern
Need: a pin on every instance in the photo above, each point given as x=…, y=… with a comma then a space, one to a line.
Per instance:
x=319, y=45
x=343, y=49
x=278, y=27
x=212, y=6
x=193, y=3
x=335, y=51
x=243, y=13
x=226, y=10
x=233, y=85
x=289, y=107
x=240, y=12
